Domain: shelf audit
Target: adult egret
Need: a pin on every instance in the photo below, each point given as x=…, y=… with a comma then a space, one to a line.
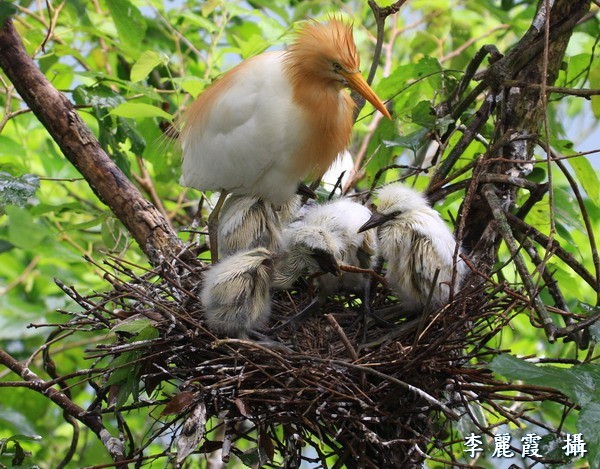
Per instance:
x=275, y=118
x=416, y=243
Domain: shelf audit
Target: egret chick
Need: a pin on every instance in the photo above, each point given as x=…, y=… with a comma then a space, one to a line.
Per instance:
x=248, y=222
x=325, y=236
x=235, y=293
x=415, y=242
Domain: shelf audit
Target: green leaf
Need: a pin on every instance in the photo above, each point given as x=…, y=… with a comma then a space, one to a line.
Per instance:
x=423, y=114
x=587, y=176
x=134, y=327
x=17, y=190
x=588, y=426
x=139, y=110
x=412, y=141
x=24, y=438
x=7, y=9
x=426, y=68
x=124, y=368
x=579, y=382
x=193, y=85
x=130, y=23
x=250, y=458
x=146, y=63
x=13, y=420
x=209, y=6
x=23, y=230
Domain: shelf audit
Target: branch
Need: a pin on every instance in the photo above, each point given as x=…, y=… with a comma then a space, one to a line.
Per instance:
x=92, y=421
x=532, y=44
x=82, y=149
x=380, y=15
x=582, y=92
x=509, y=239
x=545, y=241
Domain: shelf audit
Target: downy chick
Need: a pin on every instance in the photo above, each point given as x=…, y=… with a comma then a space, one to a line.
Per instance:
x=247, y=222
x=236, y=293
x=415, y=242
x=325, y=236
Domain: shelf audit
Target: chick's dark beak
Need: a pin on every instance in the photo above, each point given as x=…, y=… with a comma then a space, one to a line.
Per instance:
x=306, y=191
x=377, y=219
x=326, y=261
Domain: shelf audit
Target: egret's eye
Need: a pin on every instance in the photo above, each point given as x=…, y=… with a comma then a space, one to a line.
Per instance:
x=397, y=213
x=336, y=67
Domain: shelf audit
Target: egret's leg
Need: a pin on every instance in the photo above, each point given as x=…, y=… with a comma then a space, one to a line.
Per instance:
x=213, y=227
x=270, y=343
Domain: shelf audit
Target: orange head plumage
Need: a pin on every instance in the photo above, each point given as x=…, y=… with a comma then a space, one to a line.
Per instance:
x=325, y=53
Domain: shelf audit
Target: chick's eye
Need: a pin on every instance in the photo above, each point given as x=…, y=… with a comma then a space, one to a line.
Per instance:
x=336, y=67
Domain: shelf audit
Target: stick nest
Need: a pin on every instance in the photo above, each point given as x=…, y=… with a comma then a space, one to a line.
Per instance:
x=326, y=395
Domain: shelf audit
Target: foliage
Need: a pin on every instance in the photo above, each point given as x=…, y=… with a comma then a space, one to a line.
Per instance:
x=130, y=65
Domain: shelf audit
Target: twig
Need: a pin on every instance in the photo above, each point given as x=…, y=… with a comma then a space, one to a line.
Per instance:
x=340, y=332
x=409, y=387
x=481, y=117
x=371, y=272
x=92, y=421
x=505, y=232
x=581, y=92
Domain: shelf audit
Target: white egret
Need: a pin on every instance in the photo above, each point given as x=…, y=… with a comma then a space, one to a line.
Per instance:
x=416, y=243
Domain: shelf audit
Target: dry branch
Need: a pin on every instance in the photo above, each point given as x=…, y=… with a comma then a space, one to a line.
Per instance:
x=82, y=149
x=92, y=420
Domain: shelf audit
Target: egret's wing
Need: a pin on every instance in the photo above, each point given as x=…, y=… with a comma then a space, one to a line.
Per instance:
x=233, y=133
x=425, y=261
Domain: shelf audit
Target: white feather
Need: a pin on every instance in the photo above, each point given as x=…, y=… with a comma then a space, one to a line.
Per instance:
x=416, y=242
x=247, y=222
x=250, y=126
x=332, y=228
x=236, y=293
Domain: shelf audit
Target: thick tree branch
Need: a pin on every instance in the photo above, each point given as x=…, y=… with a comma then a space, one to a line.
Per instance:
x=92, y=421
x=82, y=149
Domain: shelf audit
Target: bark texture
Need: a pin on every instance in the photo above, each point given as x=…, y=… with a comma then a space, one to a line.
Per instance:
x=145, y=223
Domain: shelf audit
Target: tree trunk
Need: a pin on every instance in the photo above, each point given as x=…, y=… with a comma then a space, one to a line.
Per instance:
x=520, y=115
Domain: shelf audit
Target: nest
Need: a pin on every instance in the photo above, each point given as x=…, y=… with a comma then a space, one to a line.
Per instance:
x=330, y=394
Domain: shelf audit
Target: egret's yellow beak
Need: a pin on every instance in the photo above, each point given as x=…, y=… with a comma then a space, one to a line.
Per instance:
x=357, y=83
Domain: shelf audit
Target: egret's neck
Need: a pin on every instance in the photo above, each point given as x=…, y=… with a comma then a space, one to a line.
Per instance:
x=328, y=114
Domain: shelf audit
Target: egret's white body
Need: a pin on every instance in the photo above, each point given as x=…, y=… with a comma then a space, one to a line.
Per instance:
x=248, y=222
x=238, y=144
x=415, y=242
x=236, y=293
x=277, y=117
x=327, y=231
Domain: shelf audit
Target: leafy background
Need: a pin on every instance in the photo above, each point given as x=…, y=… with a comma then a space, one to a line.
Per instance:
x=130, y=66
